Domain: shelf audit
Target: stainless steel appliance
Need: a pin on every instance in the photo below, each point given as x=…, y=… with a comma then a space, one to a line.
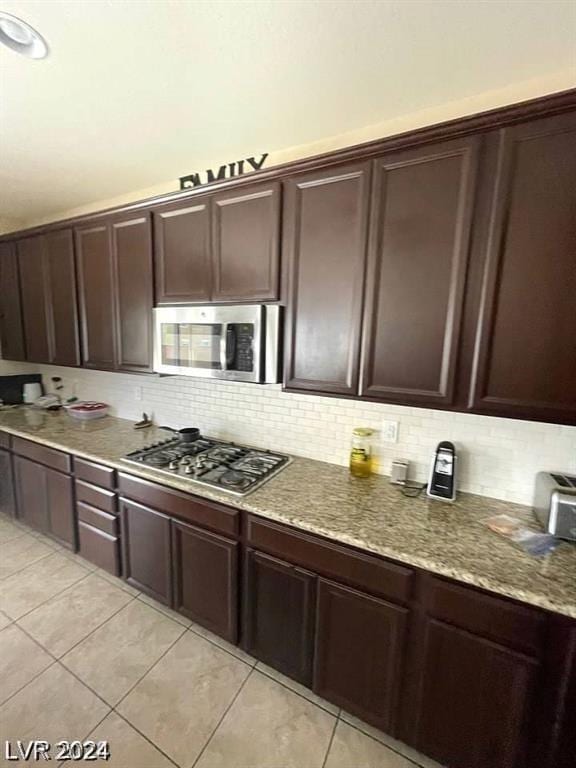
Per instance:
x=442, y=482
x=236, y=469
x=555, y=503
x=238, y=343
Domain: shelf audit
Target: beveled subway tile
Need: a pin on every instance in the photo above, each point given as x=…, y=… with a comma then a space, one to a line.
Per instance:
x=18, y=553
x=128, y=748
x=37, y=583
x=69, y=617
x=297, y=688
x=22, y=659
x=268, y=719
x=114, y=657
x=179, y=703
x=351, y=747
x=54, y=706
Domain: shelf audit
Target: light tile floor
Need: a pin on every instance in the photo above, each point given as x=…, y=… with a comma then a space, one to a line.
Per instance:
x=85, y=656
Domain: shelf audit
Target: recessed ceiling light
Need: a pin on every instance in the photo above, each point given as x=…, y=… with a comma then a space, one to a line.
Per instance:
x=21, y=37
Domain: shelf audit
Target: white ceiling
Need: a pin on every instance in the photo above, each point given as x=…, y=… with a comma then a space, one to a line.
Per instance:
x=138, y=92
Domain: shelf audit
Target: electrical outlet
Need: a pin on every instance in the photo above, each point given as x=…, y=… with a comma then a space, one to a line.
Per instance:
x=389, y=432
x=137, y=393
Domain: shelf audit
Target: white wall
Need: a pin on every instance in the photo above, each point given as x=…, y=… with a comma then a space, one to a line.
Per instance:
x=498, y=457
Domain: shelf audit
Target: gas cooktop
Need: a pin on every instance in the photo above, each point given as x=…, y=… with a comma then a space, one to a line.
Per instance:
x=236, y=469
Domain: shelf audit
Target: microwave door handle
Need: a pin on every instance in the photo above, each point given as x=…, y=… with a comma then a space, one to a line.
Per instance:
x=223, y=347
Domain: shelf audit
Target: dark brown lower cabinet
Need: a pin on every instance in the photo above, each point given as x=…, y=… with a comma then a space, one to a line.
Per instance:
x=205, y=568
x=279, y=615
x=360, y=642
x=99, y=547
x=61, y=523
x=7, y=499
x=475, y=700
x=146, y=550
x=45, y=500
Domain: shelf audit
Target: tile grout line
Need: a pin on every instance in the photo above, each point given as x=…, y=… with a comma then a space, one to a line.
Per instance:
x=32, y=679
x=378, y=741
x=131, y=725
x=57, y=594
x=129, y=691
x=336, y=721
x=112, y=615
x=248, y=676
x=28, y=565
x=302, y=696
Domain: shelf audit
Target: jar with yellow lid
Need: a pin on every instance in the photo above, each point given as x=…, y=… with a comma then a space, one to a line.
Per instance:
x=361, y=452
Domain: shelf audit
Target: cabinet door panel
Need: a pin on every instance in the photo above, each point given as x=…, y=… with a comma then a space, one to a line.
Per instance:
x=31, y=493
x=11, y=325
x=475, y=700
x=359, y=653
x=421, y=214
x=326, y=222
x=526, y=355
x=182, y=253
x=61, y=522
x=33, y=282
x=245, y=243
x=132, y=248
x=206, y=579
x=146, y=550
x=279, y=615
x=7, y=497
x=63, y=308
x=96, y=292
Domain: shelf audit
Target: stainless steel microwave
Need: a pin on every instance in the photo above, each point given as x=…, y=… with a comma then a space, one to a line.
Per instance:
x=237, y=343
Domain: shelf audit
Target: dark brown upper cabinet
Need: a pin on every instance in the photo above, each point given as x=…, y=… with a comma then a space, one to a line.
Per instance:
x=96, y=294
x=324, y=242
x=222, y=248
x=33, y=284
x=245, y=244
x=525, y=362
x=182, y=253
x=48, y=286
x=11, y=326
x=134, y=291
x=421, y=217
x=116, y=294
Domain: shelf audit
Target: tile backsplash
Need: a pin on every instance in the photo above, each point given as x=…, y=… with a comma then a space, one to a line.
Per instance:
x=497, y=457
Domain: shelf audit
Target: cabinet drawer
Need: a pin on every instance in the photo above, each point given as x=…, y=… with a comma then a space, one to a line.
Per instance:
x=214, y=516
x=97, y=519
x=96, y=497
x=332, y=560
x=4, y=440
x=497, y=619
x=99, y=547
x=95, y=473
x=50, y=457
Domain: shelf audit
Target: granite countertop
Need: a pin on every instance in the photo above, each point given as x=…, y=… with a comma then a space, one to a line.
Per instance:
x=448, y=539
